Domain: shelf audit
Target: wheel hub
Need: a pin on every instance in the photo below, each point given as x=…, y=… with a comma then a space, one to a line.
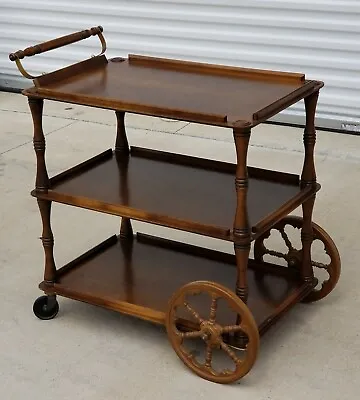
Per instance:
x=211, y=333
x=294, y=259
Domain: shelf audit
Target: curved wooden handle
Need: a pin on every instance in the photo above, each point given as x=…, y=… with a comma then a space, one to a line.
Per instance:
x=55, y=43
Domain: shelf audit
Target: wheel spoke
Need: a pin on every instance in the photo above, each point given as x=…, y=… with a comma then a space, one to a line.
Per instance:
x=213, y=309
x=227, y=372
x=276, y=254
x=319, y=265
x=190, y=335
x=189, y=355
x=286, y=239
x=209, y=353
x=231, y=328
x=231, y=354
x=193, y=312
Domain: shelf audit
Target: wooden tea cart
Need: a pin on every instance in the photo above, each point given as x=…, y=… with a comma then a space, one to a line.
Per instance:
x=222, y=302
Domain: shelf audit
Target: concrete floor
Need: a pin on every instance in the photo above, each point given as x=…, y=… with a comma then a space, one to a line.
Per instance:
x=90, y=353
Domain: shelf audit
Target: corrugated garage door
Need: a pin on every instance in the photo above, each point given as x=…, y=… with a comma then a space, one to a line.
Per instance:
x=317, y=37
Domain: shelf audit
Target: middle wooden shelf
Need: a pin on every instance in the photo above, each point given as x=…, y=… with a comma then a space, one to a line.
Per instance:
x=150, y=185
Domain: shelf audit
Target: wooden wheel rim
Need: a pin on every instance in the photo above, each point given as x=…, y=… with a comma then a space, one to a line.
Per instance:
x=248, y=325
x=293, y=257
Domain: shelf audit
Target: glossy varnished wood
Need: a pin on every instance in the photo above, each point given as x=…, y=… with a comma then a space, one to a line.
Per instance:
x=151, y=185
x=122, y=152
x=214, y=69
x=55, y=43
x=308, y=179
x=121, y=274
x=139, y=274
x=42, y=179
x=242, y=225
x=176, y=89
x=42, y=185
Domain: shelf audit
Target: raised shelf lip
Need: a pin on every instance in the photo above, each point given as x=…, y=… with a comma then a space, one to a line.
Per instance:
x=76, y=69
x=220, y=166
x=137, y=108
x=224, y=121
x=270, y=220
x=128, y=212
x=180, y=159
x=283, y=103
x=214, y=69
x=158, y=316
x=220, y=232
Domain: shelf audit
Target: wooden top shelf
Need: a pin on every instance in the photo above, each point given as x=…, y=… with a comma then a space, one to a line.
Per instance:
x=196, y=92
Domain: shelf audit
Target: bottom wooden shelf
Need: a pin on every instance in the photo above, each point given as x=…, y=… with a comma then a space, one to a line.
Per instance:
x=139, y=276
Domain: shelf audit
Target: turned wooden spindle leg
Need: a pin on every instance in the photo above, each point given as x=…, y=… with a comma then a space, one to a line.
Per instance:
x=242, y=234
x=47, y=239
x=42, y=179
x=121, y=144
x=307, y=239
x=42, y=185
x=122, y=153
x=308, y=178
x=126, y=231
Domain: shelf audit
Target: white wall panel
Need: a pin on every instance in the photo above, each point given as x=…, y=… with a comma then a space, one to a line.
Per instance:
x=320, y=38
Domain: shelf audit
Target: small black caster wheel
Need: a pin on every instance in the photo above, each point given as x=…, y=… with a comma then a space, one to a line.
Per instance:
x=46, y=307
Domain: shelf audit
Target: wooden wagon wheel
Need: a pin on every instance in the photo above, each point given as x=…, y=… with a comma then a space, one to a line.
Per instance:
x=211, y=332
x=293, y=256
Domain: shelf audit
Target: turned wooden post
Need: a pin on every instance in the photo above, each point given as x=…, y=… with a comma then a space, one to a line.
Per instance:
x=308, y=178
x=42, y=185
x=42, y=179
x=122, y=154
x=242, y=233
x=121, y=144
x=47, y=239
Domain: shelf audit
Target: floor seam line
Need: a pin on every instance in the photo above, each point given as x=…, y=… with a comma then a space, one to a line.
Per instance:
x=30, y=141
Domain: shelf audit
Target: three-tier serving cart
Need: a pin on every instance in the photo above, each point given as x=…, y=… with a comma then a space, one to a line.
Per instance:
x=222, y=302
